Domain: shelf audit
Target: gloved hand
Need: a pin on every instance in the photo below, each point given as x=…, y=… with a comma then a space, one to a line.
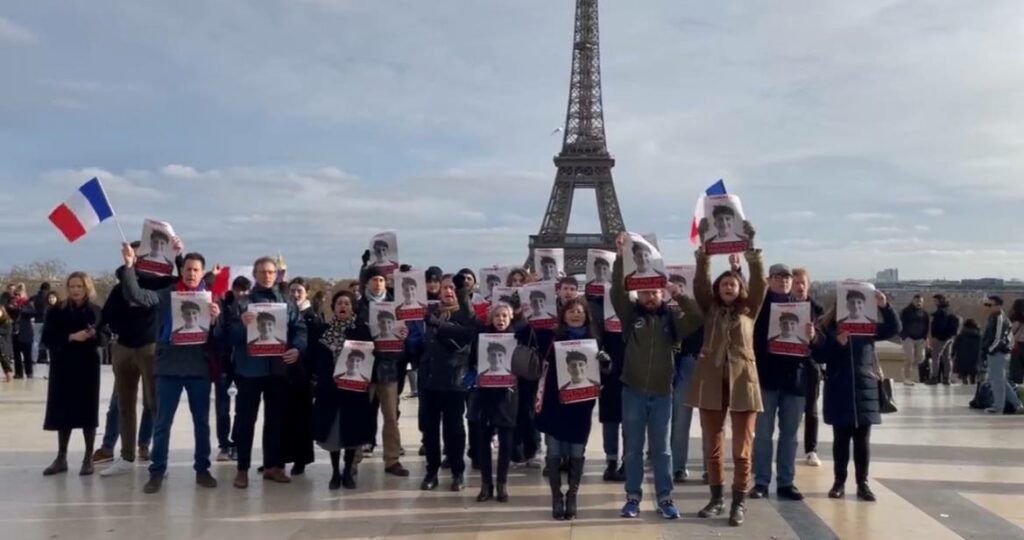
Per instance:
x=404, y=268
x=366, y=258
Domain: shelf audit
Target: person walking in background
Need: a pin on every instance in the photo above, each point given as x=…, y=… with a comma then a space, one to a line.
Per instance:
x=40, y=305
x=6, y=347
x=73, y=392
x=967, y=352
x=21, y=312
x=944, y=327
x=914, y=337
x=996, y=344
x=1016, y=371
x=852, y=397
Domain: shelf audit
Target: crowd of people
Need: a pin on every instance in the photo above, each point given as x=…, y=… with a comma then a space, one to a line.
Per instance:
x=674, y=354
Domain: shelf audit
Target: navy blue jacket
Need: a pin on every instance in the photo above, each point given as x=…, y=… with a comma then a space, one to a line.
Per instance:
x=231, y=329
x=851, y=384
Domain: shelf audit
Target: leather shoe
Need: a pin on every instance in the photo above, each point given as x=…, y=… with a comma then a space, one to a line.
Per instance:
x=759, y=492
x=429, y=483
x=396, y=469
x=790, y=493
x=241, y=480
x=275, y=474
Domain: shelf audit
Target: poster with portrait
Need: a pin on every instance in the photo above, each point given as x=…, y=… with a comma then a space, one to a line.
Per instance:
x=509, y=295
x=353, y=367
x=267, y=335
x=611, y=320
x=190, y=317
x=856, y=308
x=643, y=266
x=725, y=232
x=681, y=275
x=599, y=271
x=579, y=376
x=156, y=254
x=384, y=252
x=491, y=277
x=540, y=304
x=385, y=329
x=549, y=262
x=787, y=329
x=410, y=295
x=652, y=239
x=494, y=360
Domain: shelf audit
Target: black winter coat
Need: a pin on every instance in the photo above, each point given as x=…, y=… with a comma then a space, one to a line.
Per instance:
x=357, y=413
x=945, y=325
x=73, y=392
x=967, y=352
x=6, y=346
x=566, y=423
x=496, y=406
x=609, y=407
x=915, y=322
x=851, y=384
x=447, y=354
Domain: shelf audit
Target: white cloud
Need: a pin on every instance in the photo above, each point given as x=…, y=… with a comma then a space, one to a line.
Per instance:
x=922, y=228
x=794, y=216
x=16, y=34
x=867, y=216
x=883, y=230
x=935, y=212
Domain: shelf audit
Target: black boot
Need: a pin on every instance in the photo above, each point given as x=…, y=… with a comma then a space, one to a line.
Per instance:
x=575, y=477
x=555, y=481
x=736, y=513
x=715, y=506
x=864, y=492
x=612, y=473
x=502, y=493
x=486, y=493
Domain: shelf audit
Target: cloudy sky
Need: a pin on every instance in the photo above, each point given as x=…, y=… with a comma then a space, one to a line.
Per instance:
x=860, y=135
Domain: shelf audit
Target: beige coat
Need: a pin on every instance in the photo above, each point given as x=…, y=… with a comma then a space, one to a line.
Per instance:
x=728, y=343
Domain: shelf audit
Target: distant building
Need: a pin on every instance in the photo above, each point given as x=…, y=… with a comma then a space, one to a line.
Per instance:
x=889, y=275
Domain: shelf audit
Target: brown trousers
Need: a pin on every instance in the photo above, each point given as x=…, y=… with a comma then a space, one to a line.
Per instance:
x=130, y=365
x=713, y=429
x=392, y=440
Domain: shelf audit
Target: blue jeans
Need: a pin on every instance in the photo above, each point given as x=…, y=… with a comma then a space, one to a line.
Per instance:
x=1002, y=393
x=611, y=432
x=788, y=408
x=222, y=404
x=558, y=449
x=682, y=416
x=113, y=427
x=168, y=394
x=644, y=414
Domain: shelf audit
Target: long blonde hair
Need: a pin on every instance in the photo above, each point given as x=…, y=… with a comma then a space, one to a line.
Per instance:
x=90, y=287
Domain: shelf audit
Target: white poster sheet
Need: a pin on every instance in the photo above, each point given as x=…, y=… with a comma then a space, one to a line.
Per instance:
x=384, y=252
x=494, y=360
x=190, y=317
x=540, y=304
x=856, y=308
x=549, y=262
x=579, y=376
x=384, y=327
x=725, y=217
x=599, y=271
x=353, y=368
x=411, y=295
x=787, y=329
x=642, y=264
x=268, y=333
x=156, y=255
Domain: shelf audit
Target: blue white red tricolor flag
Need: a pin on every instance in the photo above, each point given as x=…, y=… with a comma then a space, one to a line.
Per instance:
x=718, y=188
x=86, y=208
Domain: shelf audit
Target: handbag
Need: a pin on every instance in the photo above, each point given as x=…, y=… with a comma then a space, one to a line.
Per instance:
x=525, y=363
x=886, y=403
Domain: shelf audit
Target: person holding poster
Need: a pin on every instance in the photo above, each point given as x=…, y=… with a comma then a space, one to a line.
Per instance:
x=781, y=371
x=262, y=377
x=731, y=232
x=451, y=331
x=652, y=332
x=567, y=424
x=159, y=260
x=179, y=367
x=852, y=400
x=344, y=420
x=644, y=268
x=494, y=403
x=857, y=312
x=599, y=271
x=376, y=310
x=578, y=376
x=725, y=380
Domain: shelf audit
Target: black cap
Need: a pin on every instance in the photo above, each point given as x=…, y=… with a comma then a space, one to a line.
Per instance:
x=434, y=273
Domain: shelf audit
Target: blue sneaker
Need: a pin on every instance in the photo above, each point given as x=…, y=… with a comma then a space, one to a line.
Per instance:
x=668, y=509
x=631, y=509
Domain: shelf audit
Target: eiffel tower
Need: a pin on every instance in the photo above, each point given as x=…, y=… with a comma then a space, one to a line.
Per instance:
x=584, y=162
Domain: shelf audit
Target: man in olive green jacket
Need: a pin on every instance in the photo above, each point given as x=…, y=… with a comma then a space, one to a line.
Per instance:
x=652, y=331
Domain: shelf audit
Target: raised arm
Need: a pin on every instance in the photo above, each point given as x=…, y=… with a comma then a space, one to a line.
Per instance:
x=757, y=284
x=135, y=293
x=702, y=292
x=620, y=298
x=890, y=325
x=688, y=319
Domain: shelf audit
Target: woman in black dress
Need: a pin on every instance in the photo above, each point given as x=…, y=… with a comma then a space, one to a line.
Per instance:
x=73, y=394
x=298, y=436
x=342, y=419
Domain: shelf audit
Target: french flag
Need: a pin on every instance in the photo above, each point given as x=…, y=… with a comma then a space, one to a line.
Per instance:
x=85, y=209
x=718, y=188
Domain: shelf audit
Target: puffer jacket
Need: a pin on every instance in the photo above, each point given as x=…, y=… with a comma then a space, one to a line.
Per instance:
x=651, y=338
x=728, y=333
x=851, y=396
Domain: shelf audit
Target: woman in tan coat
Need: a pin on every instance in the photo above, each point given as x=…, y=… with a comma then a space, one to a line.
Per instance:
x=725, y=378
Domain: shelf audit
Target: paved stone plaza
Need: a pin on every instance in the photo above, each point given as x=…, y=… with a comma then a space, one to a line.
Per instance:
x=940, y=470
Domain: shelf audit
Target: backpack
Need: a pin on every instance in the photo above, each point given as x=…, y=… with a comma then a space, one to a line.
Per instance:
x=983, y=398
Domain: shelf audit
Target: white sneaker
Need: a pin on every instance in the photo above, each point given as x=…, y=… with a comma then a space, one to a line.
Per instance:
x=119, y=467
x=812, y=459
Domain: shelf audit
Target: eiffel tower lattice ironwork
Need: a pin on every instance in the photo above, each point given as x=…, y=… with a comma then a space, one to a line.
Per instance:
x=584, y=162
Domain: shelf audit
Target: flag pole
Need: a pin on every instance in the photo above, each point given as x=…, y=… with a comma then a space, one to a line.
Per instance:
x=120, y=230
x=113, y=213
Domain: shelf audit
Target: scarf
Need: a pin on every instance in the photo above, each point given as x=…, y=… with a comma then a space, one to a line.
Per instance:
x=168, y=320
x=304, y=305
x=576, y=333
x=377, y=298
x=334, y=337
